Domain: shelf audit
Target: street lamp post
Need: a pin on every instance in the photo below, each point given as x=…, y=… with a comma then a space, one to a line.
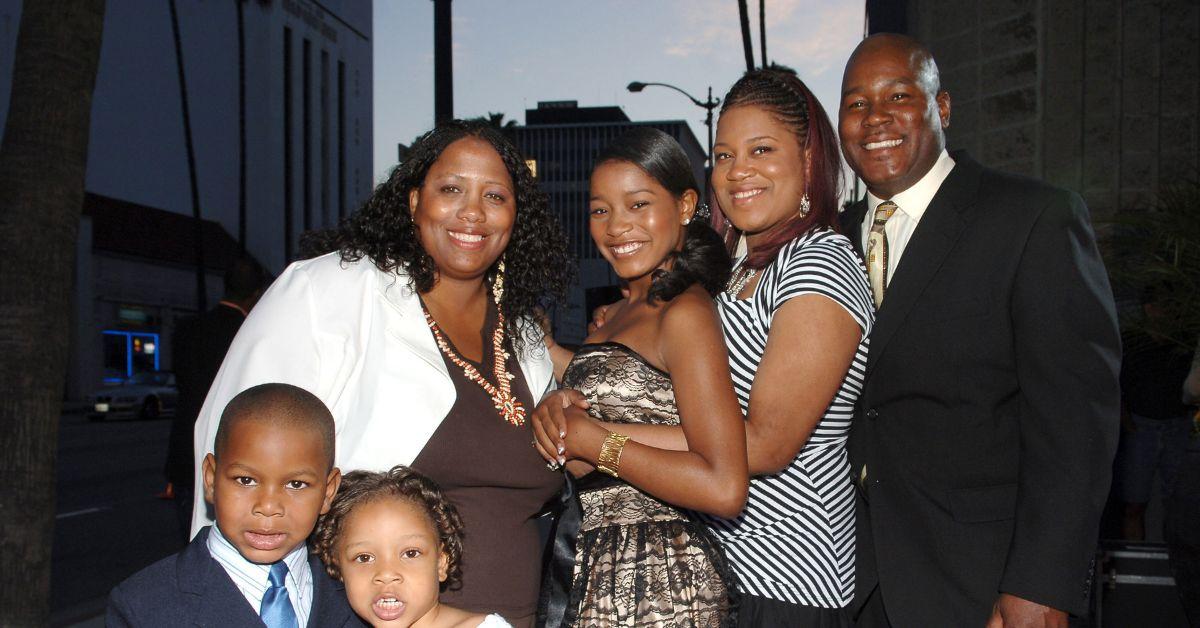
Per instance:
x=708, y=106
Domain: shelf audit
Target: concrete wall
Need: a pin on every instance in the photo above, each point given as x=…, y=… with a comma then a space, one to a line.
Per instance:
x=1099, y=97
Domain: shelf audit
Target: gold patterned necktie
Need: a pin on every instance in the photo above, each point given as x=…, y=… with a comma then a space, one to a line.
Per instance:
x=877, y=250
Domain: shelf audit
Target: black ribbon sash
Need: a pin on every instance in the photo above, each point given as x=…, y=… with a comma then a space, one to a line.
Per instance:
x=558, y=567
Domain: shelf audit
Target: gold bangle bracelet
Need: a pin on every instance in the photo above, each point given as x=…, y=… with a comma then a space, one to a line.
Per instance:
x=610, y=454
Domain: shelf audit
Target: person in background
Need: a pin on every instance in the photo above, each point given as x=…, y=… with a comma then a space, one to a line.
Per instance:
x=1191, y=385
x=1181, y=529
x=984, y=438
x=1156, y=424
x=197, y=348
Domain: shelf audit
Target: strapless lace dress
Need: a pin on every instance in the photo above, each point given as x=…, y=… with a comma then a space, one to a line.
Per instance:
x=638, y=560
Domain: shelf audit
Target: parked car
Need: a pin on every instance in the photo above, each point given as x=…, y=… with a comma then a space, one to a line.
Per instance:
x=146, y=395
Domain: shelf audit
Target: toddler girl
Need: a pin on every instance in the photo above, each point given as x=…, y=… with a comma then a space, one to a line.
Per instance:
x=396, y=543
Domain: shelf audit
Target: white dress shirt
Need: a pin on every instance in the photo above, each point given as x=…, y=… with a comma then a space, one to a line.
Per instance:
x=253, y=579
x=911, y=205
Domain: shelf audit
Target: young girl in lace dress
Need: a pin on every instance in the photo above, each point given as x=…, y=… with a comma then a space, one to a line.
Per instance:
x=639, y=558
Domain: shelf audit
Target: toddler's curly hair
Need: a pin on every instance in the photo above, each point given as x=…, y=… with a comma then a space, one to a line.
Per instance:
x=404, y=483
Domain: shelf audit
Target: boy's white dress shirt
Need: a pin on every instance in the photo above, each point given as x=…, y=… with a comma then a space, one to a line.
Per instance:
x=252, y=579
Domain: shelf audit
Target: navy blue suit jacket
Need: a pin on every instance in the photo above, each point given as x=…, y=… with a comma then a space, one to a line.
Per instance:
x=192, y=589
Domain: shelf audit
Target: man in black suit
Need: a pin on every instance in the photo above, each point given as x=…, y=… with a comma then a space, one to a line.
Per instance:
x=986, y=428
x=198, y=347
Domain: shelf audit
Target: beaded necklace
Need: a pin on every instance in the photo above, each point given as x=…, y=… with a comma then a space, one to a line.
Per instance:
x=505, y=402
x=739, y=280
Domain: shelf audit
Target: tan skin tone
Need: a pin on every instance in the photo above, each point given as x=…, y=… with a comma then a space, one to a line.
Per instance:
x=636, y=223
x=890, y=91
x=268, y=488
x=890, y=94
x=389, y=550
x=467, y=194
x=812, y=339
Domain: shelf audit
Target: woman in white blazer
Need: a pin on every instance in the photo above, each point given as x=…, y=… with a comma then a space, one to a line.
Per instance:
x=417, y=332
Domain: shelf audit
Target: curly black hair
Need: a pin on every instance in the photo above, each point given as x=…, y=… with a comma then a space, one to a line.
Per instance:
x=703, y=258
x=537, y=266
x=401, y=482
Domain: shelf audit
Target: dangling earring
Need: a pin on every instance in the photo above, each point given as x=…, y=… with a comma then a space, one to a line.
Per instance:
x=498, y=283
x=805, y=205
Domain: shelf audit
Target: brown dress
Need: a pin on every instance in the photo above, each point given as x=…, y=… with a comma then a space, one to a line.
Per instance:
x=490, y=471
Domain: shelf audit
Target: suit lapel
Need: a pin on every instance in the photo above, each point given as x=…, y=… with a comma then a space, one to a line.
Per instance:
x=329, y=607
x=851, y=221
x=934, y=238
x=217, y=601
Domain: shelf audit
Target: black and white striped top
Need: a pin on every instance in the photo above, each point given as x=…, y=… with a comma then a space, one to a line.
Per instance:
x=794, y=541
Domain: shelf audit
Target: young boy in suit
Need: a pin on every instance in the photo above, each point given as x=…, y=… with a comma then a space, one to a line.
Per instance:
x=270, y=476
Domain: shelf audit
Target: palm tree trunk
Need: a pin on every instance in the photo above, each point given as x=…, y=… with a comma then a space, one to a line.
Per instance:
x=241, y=30
x=762, y=30
x=197, y=225
x=747, y=45
x=43, y=159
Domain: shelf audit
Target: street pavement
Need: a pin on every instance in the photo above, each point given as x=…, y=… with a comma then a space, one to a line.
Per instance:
x=108, y=522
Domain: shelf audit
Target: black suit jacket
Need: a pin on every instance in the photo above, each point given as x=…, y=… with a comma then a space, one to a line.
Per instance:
x=989, y=416
x=192, y=589
x=198, y=348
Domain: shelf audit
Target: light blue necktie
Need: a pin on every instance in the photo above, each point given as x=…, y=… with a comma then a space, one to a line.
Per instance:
x=276, y=610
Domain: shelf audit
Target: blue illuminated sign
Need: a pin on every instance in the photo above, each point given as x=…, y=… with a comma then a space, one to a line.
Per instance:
x=136, y=343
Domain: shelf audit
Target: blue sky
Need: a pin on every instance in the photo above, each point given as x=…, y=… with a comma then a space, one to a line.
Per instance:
x=510, y=54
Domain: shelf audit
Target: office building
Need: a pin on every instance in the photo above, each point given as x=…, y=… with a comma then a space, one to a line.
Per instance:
x=306, y=70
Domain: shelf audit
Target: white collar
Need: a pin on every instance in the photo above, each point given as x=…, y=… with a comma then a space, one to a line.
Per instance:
x=253, y=573
x=915, y=200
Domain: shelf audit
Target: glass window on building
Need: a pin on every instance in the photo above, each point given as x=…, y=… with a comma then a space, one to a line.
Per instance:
x=128, y=353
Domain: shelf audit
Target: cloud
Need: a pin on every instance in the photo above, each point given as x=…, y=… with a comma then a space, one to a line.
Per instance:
x=818, y=47
x=706, y=27
x=798, y=32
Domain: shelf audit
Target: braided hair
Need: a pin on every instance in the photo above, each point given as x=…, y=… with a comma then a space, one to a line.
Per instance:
x=780, y=91
x=383, y=230
x=403, y=483
x=703, y=258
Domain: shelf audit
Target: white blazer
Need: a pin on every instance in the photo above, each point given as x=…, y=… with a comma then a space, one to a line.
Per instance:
x=357, y=338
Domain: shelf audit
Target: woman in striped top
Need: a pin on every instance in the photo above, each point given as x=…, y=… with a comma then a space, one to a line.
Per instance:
x=796, y=317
